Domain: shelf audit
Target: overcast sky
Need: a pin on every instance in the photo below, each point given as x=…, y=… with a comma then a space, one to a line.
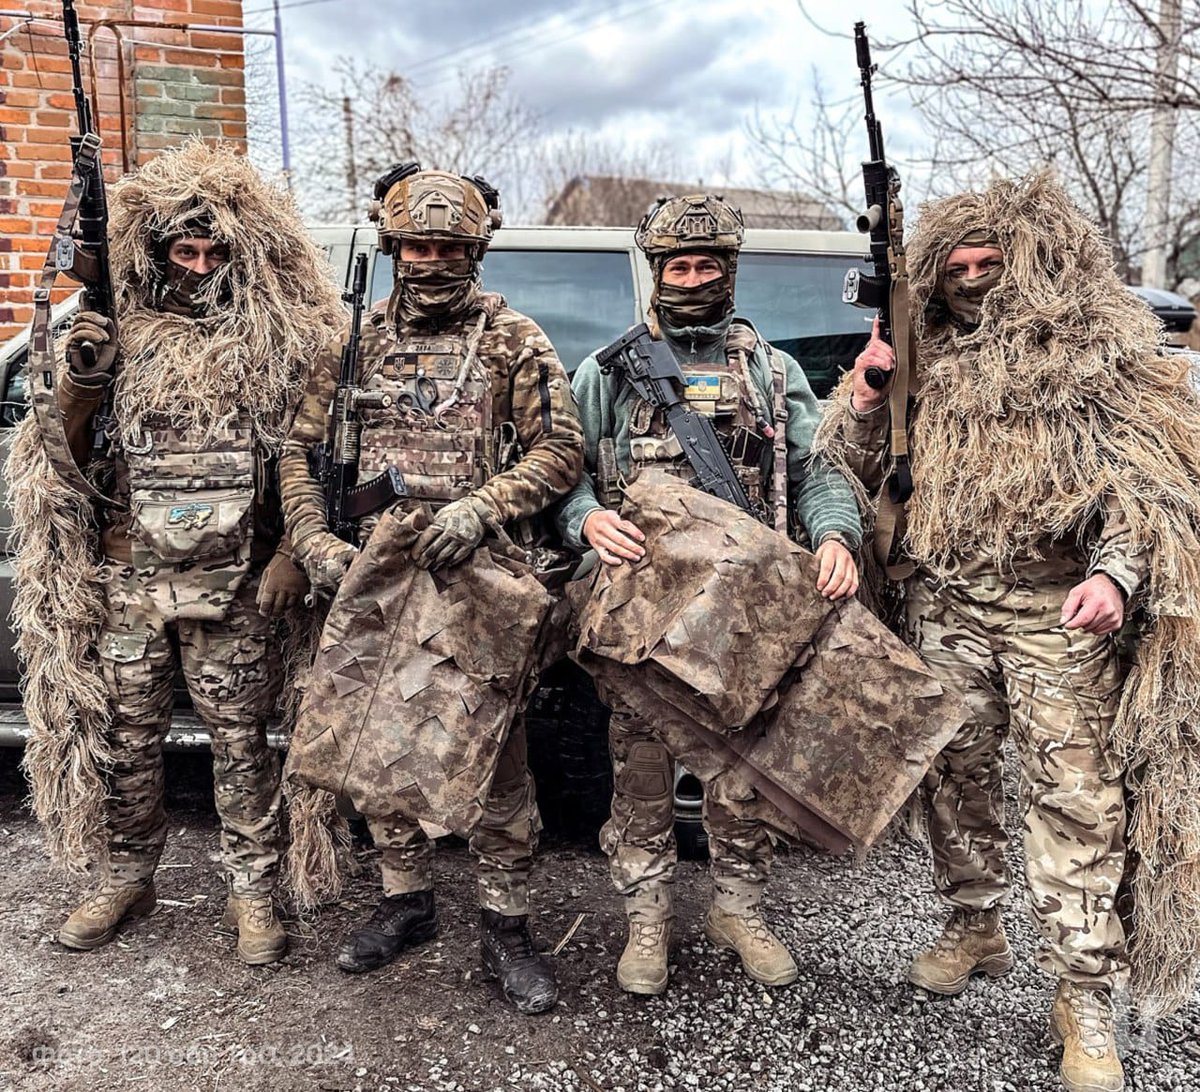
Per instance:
x=687, y=75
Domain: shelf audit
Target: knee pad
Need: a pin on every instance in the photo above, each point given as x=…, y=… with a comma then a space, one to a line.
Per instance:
x=646, y=774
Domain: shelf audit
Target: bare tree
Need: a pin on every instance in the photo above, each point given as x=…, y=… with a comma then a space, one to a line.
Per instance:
x=376, y=117
x=1009, y=85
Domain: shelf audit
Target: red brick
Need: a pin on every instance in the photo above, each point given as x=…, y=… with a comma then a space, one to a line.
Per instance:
x=48, y=81
x=192, y=58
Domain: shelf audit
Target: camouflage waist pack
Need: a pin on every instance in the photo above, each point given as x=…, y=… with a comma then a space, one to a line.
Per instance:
x=191, y=517
x=418, y=678
x=808, y=715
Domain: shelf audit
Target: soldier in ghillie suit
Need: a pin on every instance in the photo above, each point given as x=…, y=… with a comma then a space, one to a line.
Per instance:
x=480, y=422
x=692, y=244
x=1056, y=462
x=221, y=301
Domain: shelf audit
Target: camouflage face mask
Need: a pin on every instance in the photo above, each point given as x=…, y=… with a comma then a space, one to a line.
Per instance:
x=437, y=289
x=182, y=291
x=701, y=305
x=964, y=295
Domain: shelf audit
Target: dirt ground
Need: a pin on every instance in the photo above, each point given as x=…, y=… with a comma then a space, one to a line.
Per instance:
x=168, y=1006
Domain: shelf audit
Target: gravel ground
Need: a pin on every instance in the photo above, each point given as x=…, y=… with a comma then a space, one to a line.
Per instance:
x=169, y=1007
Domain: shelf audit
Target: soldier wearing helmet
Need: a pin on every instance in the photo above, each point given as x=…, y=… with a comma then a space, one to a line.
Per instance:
x=759, y=399
x=481, y=423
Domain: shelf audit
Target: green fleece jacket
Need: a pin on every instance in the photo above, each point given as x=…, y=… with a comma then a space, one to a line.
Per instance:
x=824, y=502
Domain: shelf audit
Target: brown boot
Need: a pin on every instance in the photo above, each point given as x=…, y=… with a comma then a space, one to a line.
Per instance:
x=643, y=964
x=973, y=942
x=261, y=936
x=95, y=922
x=1082, y=1020
x=763, y=957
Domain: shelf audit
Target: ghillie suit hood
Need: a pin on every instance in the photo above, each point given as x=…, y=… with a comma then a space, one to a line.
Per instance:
x=251, y=354
x=1059, y=402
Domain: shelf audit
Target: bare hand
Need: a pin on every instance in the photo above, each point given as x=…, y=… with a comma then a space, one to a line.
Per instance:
x=1095, y=606
x=878, y=354
x=838, y=576
x=613, y=538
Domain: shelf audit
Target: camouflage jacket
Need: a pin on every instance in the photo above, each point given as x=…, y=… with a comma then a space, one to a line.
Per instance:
x=529, y=389
x=79, y=403
x=1106, y=541
x=823, y=499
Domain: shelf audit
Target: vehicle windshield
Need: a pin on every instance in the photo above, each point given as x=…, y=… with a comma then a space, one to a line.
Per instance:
x=795, y=301
x=583, y=299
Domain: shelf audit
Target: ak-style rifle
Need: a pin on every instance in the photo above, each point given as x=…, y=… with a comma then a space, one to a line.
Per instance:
x=652, y=370
x=335, y=462
x=885, y=291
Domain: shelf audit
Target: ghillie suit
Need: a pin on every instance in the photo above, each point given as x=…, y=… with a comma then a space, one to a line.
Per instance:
x=1051, y=442
x=235, y=369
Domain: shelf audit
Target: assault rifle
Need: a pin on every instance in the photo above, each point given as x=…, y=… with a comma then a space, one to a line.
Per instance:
x=886, y=291
x=652, y=370
x=79, y=249
x=335, y=462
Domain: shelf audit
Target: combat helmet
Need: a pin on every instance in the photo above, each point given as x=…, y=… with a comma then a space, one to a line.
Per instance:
x=696, y=221
x=413, y=203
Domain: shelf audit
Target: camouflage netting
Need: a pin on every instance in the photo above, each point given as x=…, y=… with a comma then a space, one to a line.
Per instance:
x=1060, y=401
x=414, y=689
x=808, y=715
x=252, y=355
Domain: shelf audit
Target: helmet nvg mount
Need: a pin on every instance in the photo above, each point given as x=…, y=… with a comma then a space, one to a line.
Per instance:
x=411, y=203
x=697, y=221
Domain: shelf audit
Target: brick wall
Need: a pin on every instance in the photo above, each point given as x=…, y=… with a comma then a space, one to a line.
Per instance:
x=175, y=82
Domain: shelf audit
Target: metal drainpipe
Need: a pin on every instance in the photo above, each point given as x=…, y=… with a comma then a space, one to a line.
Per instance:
x=113, y=25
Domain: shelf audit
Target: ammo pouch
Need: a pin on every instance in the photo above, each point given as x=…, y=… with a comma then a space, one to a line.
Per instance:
x=192, y=517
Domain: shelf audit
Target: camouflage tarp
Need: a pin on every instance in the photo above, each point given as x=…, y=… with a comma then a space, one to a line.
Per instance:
x=418, y=678
x=806, y=714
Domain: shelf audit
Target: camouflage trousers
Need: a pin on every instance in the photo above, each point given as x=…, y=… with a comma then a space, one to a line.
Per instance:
x=639, y=836
x=232, y=672
x=502, y=844
x=1055, y=691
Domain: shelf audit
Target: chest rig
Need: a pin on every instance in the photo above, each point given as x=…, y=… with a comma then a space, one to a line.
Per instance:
x=191, y=514
x=437, y=430
x=725, y=392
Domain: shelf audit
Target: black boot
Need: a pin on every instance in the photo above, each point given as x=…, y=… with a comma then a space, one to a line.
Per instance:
x=525, y=977
x=399, y=921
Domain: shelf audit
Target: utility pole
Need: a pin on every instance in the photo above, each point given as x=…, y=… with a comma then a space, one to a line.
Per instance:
x=283, y=112
x=1162, y=148
x=351, y=171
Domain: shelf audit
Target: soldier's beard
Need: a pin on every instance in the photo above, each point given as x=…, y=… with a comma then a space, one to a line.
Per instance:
x=428, y=291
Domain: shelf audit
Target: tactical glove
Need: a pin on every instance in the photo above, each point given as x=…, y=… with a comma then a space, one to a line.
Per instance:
x=91, y=349
x=282, y=587
x=454, y=533
x=326, y=559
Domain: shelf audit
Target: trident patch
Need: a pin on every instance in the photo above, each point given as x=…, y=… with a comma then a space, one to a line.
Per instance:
x=191, y=517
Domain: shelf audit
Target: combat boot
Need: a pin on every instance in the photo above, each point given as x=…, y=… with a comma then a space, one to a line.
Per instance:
x=526, y=979
x=763, y=956
x=643, y=964
x=261, y=936
x=95, y=922
x=972, y=942
x=399, y=922
x=1082, y=1020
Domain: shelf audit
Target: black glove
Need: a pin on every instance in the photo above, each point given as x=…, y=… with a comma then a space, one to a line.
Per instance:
x=91, y=349
x=454, y=533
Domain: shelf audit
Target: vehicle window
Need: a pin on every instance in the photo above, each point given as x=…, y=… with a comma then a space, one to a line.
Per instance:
x=583, y=299
x=795, y=300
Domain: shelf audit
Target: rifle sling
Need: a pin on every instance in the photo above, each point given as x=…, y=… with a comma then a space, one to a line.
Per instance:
x=42, y=369
x=890, y=518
